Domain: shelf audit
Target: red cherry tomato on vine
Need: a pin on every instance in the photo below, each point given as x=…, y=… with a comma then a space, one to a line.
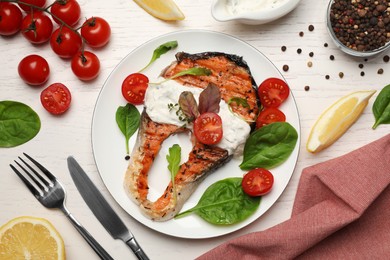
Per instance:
x=257, y=182
x=134, y=87
x=56, y=98
x=65, y=42
x=270, y=115
x=68, y=11
x=10, y=18
x=208, y=128
x=27, y=8
x=34, y=70
x=273, y=92
x=96, y=32
x=85, y=66
x=37, y=27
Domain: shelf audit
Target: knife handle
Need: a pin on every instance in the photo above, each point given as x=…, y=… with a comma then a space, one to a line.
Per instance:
x=136, y=248
x=88, y=237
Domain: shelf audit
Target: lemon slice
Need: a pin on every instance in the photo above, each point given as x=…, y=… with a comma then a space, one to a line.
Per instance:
x=336, y=120
x=30, y=238
x=163, y=9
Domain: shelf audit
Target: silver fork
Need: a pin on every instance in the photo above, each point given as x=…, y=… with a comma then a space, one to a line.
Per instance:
x=51, y=194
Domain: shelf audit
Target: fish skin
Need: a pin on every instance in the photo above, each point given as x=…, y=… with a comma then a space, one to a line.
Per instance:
x=234, y=79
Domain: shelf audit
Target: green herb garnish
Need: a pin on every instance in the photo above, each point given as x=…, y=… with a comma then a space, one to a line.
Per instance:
x=381, y=107
x=174, y=158
x=128, y=120
x=196, y=71
x=269, y=146
x=18, y=123
x=162, y=49
x=224, y=203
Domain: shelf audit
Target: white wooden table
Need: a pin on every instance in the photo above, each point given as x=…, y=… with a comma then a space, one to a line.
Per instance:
x=70, y=134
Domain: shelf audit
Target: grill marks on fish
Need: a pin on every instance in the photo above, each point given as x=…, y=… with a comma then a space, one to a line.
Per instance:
x=229, y=72
x=232, y=76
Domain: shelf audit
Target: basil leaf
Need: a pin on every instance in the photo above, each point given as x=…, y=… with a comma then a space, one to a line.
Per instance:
x=239, y=101
x=128, y=120
x=188, y=105
x=18, y=123
x=209, y=99
x=269, y=146
x=162, y=49
x=174, y=158
x=196, y=71
x=224, y=203
x=381, y=107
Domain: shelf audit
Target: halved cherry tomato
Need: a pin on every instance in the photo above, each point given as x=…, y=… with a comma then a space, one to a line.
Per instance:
x=257, y=182
x=273, y=92
x=37, y=27
x=10, y=18
x=34, y=70
x=270, y=115
x=208, y=128
x=96, y=32
x=68, y=11
x=56, y=98
x=134, y=87
x=85, y=65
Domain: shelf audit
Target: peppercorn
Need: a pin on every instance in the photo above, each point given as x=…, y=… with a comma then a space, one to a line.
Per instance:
x=311, y=54
x=311, y=27
x=386, y=58
x=331, y=57
x=307, y=88
x=299, y=50
x=380, y=71
x=284, y=48
x=285, y=67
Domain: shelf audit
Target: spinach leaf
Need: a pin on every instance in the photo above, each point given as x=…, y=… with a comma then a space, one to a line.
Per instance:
x=381, y=107
x=269, y=146
x=174, y=158
x=18, y=123
x=224, y=203
x=128, y=120
x=162, y=49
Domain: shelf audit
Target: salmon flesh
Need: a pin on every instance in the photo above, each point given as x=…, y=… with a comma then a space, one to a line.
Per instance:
x=232, y=76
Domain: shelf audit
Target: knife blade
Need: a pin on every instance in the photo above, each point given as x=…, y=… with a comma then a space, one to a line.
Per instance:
x=101, y=209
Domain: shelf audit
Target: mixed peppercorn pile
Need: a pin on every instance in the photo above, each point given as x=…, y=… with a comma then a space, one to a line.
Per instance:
x=362, y=25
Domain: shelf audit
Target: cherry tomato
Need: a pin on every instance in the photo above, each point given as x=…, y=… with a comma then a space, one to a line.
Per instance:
x=208, y=128
x=34, y=70
x=96, y=32
x=56, y=98
x=10, y=18
x=134, y=87
x=257, y=182
x=270, y=115
x=273, y=92
x=68, y=11
x=37, y=27
x=27, y=8
x=85, y=65
x=65, y=42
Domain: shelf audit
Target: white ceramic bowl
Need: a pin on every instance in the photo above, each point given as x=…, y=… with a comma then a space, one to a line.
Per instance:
x=220, y=11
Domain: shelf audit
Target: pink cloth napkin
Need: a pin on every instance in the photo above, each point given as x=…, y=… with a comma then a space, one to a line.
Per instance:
x=341, y=211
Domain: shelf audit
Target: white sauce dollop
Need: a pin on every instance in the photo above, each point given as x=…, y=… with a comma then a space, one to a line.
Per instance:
x=245, y=6
x=157, y=98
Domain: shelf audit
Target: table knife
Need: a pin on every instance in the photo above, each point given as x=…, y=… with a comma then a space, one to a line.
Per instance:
x=102, y=210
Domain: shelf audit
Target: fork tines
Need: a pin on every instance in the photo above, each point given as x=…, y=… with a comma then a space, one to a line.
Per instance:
x=36, y=177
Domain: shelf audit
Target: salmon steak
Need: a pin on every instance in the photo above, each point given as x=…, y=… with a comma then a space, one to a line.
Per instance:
x=231, y=74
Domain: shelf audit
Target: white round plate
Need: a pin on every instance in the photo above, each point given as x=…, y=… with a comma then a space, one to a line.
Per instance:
x=109, y=144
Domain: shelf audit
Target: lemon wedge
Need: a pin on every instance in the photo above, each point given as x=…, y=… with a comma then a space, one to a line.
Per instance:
x=336, y=120
x=30, y=238
x=166, y=10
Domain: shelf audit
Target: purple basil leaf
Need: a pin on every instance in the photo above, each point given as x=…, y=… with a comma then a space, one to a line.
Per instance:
x=209, y=99
x=188, y=105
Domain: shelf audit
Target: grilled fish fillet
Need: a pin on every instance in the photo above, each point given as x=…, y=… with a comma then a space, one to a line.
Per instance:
x=233, y=78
